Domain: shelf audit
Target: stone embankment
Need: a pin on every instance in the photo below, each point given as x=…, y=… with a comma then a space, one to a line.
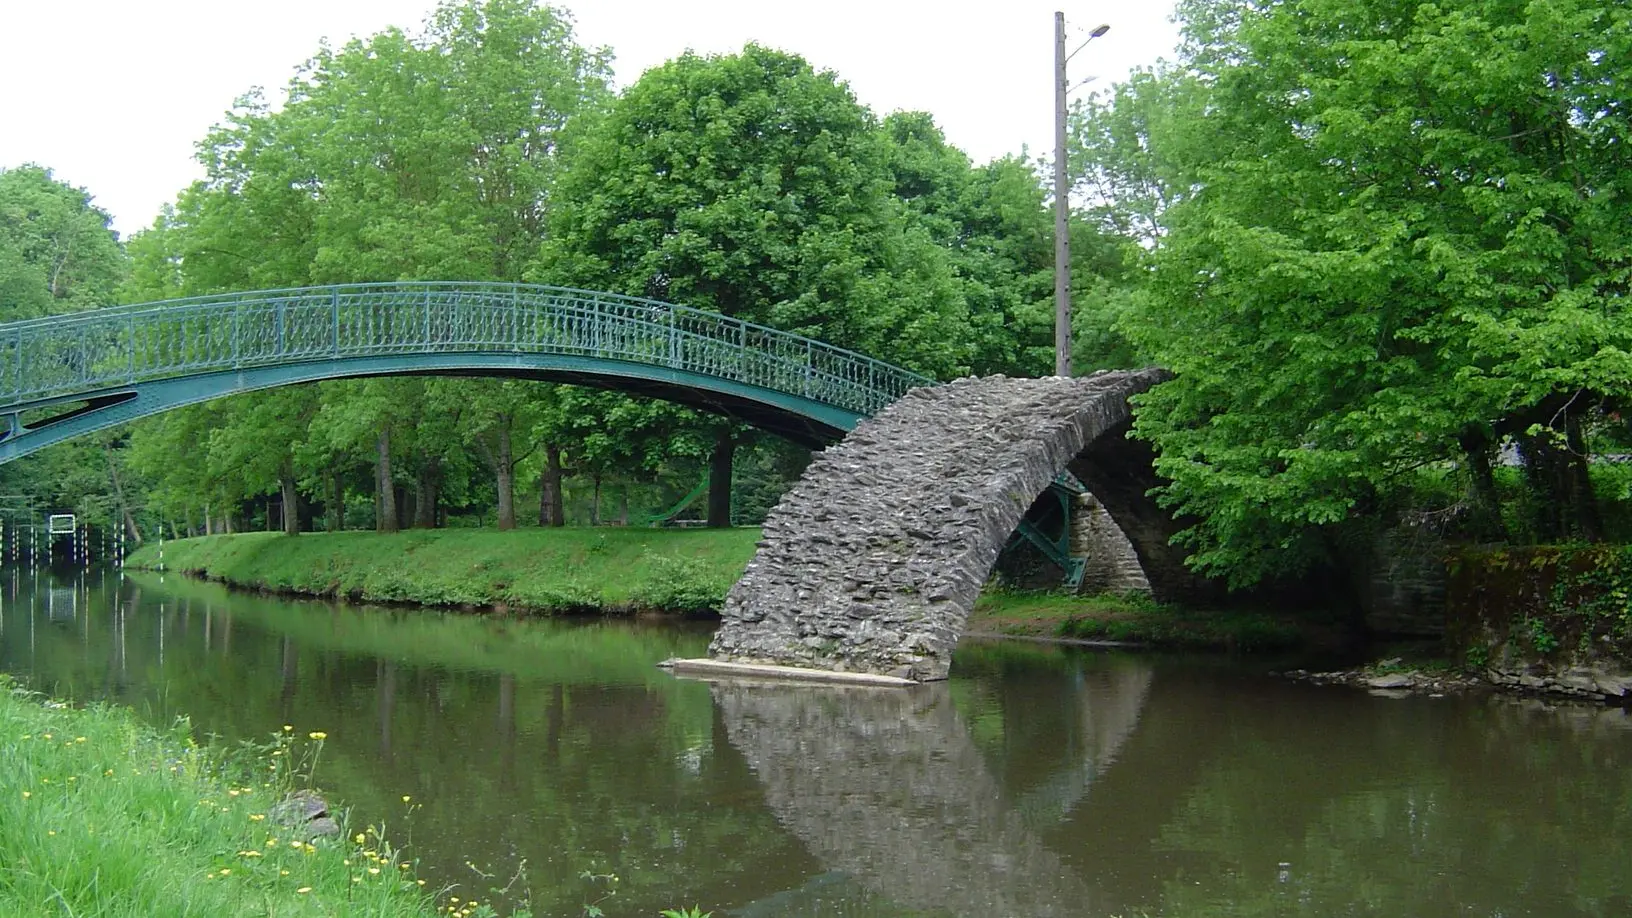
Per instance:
x=1393, y=683
x=1588, y=683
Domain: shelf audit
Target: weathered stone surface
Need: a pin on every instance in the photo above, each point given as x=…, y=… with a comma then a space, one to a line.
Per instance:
x=306, y=813
x=873, y=560
x=1112, y=565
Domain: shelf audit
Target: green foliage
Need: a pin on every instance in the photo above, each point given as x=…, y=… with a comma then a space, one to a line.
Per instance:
x=689, y=585
x=57, y=253
x=752, y=185
x=1352, y=277
x=1542, y=601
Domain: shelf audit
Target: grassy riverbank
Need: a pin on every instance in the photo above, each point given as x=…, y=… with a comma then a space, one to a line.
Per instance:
x=617, y=570
x=530, y=570
x=1136, y=619
x=102, y=815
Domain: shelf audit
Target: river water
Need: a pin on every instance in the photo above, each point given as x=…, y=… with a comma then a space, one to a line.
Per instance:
x=1037, y=781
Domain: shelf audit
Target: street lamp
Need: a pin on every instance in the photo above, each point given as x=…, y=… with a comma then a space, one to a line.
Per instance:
x=1062, y=199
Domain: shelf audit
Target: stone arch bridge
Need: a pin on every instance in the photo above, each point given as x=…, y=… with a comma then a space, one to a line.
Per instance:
x=871, y=563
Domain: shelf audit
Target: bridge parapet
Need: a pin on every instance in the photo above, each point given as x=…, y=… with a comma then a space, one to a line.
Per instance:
x=873, y=560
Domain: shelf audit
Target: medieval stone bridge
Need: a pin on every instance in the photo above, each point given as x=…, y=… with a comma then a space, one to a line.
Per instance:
x=875, y=558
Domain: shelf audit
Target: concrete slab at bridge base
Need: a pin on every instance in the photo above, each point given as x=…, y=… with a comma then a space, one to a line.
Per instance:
x=705, y=667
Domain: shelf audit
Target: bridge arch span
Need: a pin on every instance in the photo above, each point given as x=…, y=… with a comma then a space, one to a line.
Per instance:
x=64, y=376
x=872, y=562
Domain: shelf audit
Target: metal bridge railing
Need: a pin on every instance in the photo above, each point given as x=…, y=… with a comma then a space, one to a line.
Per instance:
x=60, y=356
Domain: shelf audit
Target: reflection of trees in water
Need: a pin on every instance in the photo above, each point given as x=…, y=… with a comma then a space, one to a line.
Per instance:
x=1281, y=800
x=888, y=788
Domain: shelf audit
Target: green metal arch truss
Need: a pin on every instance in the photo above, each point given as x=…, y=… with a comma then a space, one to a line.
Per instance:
x=68, y=375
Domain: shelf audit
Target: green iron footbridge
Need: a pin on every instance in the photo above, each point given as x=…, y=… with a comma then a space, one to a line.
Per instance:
x=69, y=375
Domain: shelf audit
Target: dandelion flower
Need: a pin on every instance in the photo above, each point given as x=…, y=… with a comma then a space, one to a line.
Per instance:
x=318, y=735
x=304, y=889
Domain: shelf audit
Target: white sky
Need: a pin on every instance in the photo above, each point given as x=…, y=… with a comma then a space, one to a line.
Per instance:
x=113, y=94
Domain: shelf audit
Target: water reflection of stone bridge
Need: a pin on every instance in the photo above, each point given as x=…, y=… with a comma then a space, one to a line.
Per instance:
x=891, y=792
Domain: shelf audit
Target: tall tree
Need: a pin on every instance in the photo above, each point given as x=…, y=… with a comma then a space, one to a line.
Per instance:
x=1399, y=234
x=752, y=185
x=57, y=252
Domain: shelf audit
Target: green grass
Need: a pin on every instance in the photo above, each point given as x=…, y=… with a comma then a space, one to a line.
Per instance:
x=1133, y=618
x=528, y=570
x=102, y=815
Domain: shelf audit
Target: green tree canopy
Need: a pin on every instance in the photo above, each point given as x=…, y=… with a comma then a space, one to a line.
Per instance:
x=57, y=252
x=751, y=184
x=1399, y=233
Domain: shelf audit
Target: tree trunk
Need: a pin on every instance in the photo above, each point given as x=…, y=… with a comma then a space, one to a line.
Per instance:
x=504, y=469
x=426, y=494
x=1485, y=502
x=595, y=502
x=1562, y=506
x=336, y=509
x=385, y=520
x=1589, y=524
x=551, y=504
x=719, y=480
x=118, y=487
x=291, y=505
x=209, y=521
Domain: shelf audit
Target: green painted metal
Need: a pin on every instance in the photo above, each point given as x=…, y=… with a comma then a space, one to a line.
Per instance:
x=1055, y=547
x=100, y=368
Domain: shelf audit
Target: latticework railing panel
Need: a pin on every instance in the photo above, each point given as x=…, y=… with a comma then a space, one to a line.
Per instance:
x=65, y=355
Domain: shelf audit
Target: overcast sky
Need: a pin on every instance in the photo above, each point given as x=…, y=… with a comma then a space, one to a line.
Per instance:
x=113, y=94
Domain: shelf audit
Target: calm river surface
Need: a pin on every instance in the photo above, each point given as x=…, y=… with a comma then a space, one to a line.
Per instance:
x=1037, y=781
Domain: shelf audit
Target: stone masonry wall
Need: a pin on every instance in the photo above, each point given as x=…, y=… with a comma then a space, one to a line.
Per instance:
x=873, y=560
x=1112, y=566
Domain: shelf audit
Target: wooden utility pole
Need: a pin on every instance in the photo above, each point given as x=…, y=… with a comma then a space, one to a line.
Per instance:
x=1062, y=211
x=1062, y=198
